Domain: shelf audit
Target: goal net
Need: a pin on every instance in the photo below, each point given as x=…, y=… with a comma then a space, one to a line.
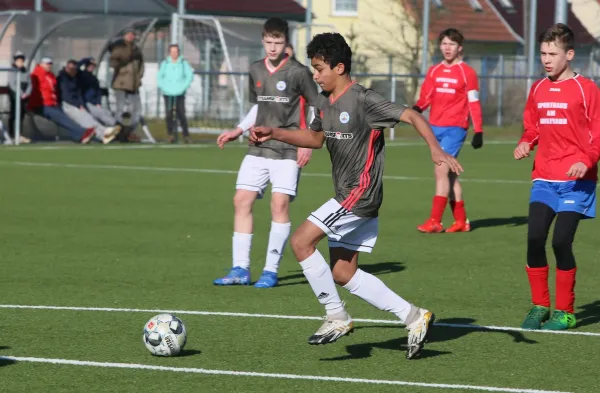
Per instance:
x=220, y=51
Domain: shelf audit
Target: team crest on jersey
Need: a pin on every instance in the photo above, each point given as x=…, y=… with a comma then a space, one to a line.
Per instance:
x=281, y=85
x=258, y=84
x=344, y=117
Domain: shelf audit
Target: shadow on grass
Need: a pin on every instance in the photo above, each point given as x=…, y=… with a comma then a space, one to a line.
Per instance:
x=443, y=330
x=375, y=269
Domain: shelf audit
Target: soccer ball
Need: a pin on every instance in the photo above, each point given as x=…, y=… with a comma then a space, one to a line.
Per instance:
x=164, y=335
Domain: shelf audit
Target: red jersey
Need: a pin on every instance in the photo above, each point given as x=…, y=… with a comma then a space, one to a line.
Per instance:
x=453, y=93
x=43, y=92
x=563, y=119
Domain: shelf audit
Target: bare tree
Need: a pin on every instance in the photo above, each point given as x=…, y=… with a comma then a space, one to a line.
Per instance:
x=401, y=40
x=359, y=59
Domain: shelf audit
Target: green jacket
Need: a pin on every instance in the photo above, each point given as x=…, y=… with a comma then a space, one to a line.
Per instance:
x=175, y=77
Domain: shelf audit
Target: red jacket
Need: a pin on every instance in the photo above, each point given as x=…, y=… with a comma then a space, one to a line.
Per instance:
x=453, y=93
x=43, y=92
x=563, y=119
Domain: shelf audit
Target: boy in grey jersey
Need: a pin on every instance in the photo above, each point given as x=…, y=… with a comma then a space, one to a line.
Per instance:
x=281, y=89
x=350, y=119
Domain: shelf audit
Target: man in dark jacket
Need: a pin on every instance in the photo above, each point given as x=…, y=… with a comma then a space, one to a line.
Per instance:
x=127, y=61
x=92, y=94
x=73, y=105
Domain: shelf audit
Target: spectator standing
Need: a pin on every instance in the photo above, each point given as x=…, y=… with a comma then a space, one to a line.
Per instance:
x=127, y=60
x=174, y=78
x=21, y=92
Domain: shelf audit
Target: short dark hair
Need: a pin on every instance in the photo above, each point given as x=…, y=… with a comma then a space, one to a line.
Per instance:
x=560, y=34
x=332, y=49
x=72, y=62
x=174, y=46
x=453, y=34
x=277, y=28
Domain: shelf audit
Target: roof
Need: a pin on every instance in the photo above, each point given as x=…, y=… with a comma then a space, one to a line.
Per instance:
x=484, y=25
x=545, y=19
x=24, y=5
x=286, y=9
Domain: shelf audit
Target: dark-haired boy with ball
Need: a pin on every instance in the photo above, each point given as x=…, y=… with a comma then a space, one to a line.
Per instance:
x=350, y=119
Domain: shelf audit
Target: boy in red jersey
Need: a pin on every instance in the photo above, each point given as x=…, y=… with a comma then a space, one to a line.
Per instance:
x=562, y=117
x=452, y=90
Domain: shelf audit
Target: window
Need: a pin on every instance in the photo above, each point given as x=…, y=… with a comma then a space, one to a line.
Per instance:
x=508, y=6
x=345, y=7
x=506, y=3
x=476, y=6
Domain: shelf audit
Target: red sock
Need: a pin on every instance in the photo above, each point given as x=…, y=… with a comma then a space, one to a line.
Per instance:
x=538, y=282
x=458, y=210
x=565, y=290
x=438, y=207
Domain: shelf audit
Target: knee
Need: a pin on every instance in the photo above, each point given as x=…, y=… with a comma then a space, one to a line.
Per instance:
x=536, y=241
x=302, y=245
x=561, y=245
x=242, y=203
x=342, y=274
x=279, y=206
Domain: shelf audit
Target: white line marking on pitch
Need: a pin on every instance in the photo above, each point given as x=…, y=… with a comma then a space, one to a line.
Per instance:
x=267, y=375
x=224, y=171
x=296, y=317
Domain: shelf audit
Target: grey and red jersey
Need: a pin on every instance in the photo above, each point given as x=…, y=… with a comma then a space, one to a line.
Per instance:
x=282, y=95
x=353, y=125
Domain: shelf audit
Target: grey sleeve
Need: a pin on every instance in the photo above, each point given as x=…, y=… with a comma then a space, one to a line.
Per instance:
x=252, y=89
x=316, y=124
x=12, y=82
x=29, y=86
x=307, y=86
x=381, y=113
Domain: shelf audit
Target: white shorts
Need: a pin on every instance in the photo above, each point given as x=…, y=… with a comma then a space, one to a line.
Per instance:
x=344, y=229
x=256, y=172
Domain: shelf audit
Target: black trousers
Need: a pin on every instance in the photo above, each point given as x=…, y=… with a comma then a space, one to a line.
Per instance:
x=177, y=103
x=13, y=114
x=540, y=219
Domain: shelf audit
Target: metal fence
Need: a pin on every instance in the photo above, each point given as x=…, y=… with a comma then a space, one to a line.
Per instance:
x=217, y=98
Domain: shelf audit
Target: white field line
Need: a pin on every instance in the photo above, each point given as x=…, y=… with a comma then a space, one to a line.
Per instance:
x=134, y=366
x=228, y=172
x=278, y=316
x=244, y=145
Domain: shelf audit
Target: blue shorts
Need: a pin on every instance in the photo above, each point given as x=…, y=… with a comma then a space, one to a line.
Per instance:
x=571, y=196
x=451, y=139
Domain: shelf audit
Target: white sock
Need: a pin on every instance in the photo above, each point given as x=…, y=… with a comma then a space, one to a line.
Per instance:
x=241, y=249
x=372, y=290
x=277, y=240
x=319, y=277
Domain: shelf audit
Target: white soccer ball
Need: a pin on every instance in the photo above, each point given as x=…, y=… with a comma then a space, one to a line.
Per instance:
x=164, y=335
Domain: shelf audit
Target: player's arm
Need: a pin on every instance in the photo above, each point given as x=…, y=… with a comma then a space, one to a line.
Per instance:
x=382, y=113
x=414, y=118
x=247, y=122
x=530, y=124
x=312, y=138
x=593, y=98
x=426, y=93
x=591, y=95
x=307, y=89
x=301, y=138
x=474, y=107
